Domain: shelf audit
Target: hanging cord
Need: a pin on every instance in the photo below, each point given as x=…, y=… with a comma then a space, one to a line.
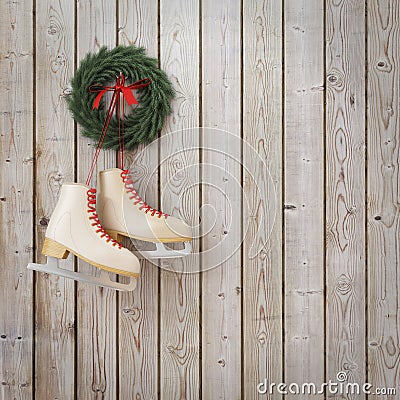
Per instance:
x=115, y=104
x=121, y=128
x=106, y=124
x=122, y=141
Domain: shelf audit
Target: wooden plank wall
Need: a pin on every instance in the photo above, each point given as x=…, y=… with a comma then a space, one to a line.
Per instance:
x=303, y=190
x=306, y=205
x=138, y=316
x=345, y=191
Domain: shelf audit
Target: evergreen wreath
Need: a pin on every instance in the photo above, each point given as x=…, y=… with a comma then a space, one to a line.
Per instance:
x=144, y=123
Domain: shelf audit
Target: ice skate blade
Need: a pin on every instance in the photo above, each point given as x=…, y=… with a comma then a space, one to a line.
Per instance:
x=52, y=267
x=162, y=252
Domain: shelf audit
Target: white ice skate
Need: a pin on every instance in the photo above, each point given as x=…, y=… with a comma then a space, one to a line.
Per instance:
x=75, y=228
x=123, y=212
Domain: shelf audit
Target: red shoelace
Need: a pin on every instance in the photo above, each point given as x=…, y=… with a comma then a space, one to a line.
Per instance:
x=91, y=197
x=128, y=182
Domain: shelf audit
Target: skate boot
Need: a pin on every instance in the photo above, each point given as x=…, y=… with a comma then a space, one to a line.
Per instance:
x=124, y=213
x=75, y=228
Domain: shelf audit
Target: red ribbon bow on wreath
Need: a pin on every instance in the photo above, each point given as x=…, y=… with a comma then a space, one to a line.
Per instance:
x=119, y=87
x=115, y=103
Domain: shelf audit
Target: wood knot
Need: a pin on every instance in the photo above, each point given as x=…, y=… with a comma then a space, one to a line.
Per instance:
x=350, y=366
x=335, y=78
x=391, y=346
x=332, y=78
x=67, y=91
x=52, y=30
x=170, y=348
x=58, y=62
x=28, y=160
x=261, y=338
x=221, y=363
x=44, y=221
x=343, y=285
x=60, y=59
x=132, y=312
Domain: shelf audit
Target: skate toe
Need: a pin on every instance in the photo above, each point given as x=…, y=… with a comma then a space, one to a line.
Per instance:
x=128, y=262
x=178, y=228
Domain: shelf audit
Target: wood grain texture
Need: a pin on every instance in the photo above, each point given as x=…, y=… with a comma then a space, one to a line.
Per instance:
x=138, y=310
x=221, y=190
x=304, y=192
x=97, y=307
x=383, y=195
x=262, y=314
x=16, y=194
x=179, y=310
x=55, y=296
x=345, y=191
x=262, y=130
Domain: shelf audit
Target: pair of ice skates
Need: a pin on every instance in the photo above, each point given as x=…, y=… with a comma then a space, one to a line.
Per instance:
x=91, y=230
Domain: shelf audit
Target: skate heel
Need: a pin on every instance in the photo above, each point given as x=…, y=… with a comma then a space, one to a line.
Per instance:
x=51, y=248
x=115, y=235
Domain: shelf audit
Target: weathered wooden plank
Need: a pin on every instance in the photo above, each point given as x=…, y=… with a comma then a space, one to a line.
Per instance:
x=97, y=307
x=262, y=130
x=55, y=296
x=304, y=192
x=179, y=334
x=16, y=195
x=221, y=190
x=383, y=194
x=345, y=190
x=138, y=310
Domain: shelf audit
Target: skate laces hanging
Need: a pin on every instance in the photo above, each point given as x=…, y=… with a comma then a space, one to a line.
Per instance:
x=128, y=182
x=91, y=193
x=115, y=104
